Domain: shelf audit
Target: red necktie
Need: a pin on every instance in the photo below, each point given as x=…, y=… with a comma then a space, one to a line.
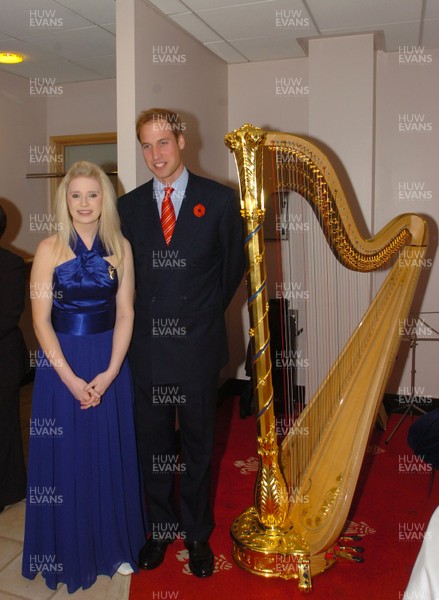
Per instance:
x=168, y=215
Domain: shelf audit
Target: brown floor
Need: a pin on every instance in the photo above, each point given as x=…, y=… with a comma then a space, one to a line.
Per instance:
x=12, y=585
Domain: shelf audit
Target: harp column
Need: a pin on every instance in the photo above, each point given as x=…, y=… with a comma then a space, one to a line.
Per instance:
x=263, y=536
x=271, y=496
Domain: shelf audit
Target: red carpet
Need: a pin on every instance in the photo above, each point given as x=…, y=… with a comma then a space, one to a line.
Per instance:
x=391, y=510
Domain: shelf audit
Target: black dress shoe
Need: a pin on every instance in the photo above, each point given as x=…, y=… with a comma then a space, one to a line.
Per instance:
x=152, y=554
x=201, y=558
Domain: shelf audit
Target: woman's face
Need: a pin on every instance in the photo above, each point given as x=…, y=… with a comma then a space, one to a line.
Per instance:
x=84, y=199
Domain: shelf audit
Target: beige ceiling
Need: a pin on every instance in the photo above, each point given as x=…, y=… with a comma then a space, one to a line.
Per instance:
x=74, y=40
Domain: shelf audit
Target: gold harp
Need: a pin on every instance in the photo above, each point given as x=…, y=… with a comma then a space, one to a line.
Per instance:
x=304, y=488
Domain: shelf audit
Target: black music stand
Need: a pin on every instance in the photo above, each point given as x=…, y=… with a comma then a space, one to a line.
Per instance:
x=411, y=405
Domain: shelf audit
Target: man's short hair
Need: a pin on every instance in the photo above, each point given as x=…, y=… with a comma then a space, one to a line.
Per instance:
x=165, y=119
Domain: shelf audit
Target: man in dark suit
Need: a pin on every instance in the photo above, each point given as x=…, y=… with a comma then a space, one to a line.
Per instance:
x=187, y=271
x=12, y=366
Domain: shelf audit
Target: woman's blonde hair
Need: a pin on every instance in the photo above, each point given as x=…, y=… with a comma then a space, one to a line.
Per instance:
x=109, y=223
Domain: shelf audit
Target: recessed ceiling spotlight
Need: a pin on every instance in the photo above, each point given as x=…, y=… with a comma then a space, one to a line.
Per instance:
x=10, y=58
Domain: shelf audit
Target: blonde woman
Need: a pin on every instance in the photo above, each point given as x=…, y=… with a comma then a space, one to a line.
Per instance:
x=84, y=507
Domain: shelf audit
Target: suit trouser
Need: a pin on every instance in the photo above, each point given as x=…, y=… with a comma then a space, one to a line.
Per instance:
x=12, y=467
x=156, y=408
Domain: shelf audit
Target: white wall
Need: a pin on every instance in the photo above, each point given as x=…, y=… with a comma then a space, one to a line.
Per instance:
x=270, y=95
x=27, y=123
x=341, y=112
x=387, y=159
x=407, y=141
x=85, y=107
x=23, y=126
x=159, y=65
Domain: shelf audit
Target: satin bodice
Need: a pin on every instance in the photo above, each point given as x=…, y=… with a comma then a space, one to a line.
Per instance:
x=84, y=291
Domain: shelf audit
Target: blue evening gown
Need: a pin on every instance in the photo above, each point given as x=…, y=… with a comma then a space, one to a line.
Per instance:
x=85, y=511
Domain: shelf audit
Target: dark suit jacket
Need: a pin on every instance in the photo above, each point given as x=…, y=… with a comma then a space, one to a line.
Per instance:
x=12, y=297
x=13, y=355
x=183, y=290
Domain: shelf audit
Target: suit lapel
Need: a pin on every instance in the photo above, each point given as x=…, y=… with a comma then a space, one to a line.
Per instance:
x=189, y=218
x=152, y=226
x=188, y=224
x=151, y=240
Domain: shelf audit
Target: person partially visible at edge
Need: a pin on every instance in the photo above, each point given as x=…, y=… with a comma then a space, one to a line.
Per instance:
x=187, y=272
x=12, y=369
x=84, y=508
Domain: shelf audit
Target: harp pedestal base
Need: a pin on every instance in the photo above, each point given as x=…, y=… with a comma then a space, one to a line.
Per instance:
x=274, y=553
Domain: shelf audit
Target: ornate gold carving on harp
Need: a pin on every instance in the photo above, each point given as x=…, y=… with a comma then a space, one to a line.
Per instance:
x=282, y=535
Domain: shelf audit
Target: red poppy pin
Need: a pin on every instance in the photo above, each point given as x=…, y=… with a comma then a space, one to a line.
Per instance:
x=199, y=210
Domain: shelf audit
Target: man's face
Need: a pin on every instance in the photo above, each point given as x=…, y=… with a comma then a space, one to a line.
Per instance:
x=161, y=150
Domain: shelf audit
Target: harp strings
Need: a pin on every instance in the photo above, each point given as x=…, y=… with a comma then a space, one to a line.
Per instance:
x=321, y=303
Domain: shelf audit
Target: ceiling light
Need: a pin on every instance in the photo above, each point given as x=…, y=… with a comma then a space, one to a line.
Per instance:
x=10, y=58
